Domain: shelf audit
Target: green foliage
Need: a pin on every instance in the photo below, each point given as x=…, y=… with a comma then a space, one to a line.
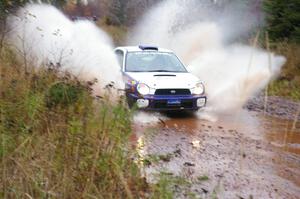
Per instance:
x=285, y=88
x=63, y=94
x=203, y=178
x=283, y=18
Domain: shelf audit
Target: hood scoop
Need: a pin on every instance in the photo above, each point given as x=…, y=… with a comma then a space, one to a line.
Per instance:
x=164, y=75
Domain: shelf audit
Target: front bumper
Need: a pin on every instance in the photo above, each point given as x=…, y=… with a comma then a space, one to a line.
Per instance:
x=161, y=102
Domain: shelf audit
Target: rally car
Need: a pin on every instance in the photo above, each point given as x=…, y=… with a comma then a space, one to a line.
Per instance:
x=155, y=79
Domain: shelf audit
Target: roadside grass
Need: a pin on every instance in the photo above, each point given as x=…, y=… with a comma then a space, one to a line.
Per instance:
x=58, y=141
x=203, y=178
x=173, y=186
x=154, y=158
x=166, y=186
x=288, y=82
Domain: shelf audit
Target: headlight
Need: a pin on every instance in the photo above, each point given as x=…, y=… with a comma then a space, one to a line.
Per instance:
x=199, y=89
x=143, y=89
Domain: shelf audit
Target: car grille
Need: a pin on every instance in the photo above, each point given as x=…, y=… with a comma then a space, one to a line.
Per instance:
x=161, y=104
x=172, y=92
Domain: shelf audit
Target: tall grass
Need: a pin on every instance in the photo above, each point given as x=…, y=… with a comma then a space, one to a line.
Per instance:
x=58, y=141
x=288, y=82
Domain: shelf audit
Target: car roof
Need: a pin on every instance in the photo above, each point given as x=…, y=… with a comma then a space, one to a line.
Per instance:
x=140, y=49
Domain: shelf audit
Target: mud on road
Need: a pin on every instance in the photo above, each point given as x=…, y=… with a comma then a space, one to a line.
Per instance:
x=245, y=155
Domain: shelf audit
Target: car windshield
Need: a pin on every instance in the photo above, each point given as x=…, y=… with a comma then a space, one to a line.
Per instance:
x=153, y=62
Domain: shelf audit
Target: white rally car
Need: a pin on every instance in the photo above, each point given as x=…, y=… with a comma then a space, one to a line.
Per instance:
x=157, y=80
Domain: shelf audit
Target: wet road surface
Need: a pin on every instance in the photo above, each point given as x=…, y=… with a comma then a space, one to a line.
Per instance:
x=244, y=155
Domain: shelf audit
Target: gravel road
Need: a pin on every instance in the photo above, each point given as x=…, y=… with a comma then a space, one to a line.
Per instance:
x=244, y=155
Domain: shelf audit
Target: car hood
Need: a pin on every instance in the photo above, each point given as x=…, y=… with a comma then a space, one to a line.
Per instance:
x=165, y=79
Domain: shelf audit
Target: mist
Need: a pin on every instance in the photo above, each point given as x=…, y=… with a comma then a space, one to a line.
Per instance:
x=43, y=36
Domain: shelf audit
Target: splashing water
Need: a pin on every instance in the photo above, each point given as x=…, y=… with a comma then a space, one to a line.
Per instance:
x=203, y=36
x=148, y=118
x=42, y=35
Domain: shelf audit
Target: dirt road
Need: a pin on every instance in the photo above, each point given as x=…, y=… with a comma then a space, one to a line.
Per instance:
x=243, y=155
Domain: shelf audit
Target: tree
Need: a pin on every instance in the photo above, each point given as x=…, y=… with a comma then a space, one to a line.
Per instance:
x=283, y=19
x=9, y=5
x=117, y=11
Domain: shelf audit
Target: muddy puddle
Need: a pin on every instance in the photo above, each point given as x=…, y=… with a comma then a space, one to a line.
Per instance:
x=243, y=155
